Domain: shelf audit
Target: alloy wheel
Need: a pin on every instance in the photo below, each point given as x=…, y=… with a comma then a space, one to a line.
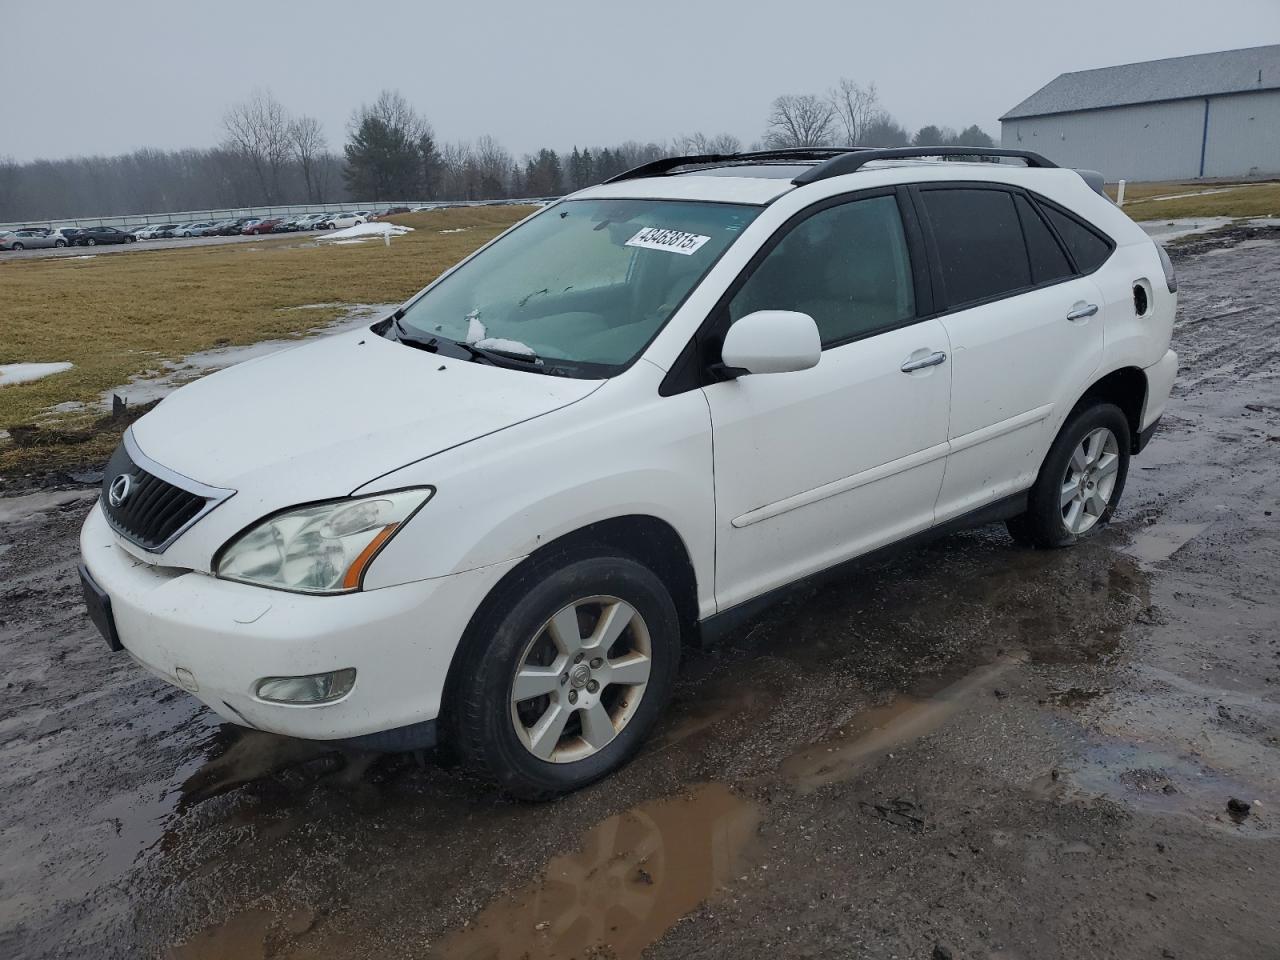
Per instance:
x=580, y=679
x=1090, y=480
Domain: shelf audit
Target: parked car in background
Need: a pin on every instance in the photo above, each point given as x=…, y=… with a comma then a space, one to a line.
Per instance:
x=261, y=226
x=68, y=234
x=31, y=238
x=310, y=221
x=389, y=212
x=229, y=228
x=92, y=236
x=341, y=221
x=194, y=229
x=286, y=226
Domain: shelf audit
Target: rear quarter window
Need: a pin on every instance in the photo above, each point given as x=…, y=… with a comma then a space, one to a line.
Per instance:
x=1088, y=248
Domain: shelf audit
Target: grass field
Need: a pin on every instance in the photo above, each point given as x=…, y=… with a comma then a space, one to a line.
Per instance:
x=119, y=315
x=1141, y=200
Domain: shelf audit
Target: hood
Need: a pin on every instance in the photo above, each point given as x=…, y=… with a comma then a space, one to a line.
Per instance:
x=324, y=418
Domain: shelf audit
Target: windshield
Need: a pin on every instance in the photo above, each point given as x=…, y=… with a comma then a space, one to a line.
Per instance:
x=583, y=286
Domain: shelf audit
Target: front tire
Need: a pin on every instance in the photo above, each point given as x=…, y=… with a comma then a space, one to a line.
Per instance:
x=91, y=242
x=562, y=677
x=1080, y=482
x=59, y=243
x=18, y=246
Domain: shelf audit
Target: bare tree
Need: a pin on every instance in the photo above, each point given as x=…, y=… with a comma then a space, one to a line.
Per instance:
x=699, y=143
x=306, y=138
x=259, y=129
x=800, y=121
x=855, y=108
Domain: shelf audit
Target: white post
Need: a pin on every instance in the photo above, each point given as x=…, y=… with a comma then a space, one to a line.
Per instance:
x=1120, y=194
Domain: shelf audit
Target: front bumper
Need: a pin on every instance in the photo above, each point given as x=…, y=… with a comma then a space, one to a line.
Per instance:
x=221, y=637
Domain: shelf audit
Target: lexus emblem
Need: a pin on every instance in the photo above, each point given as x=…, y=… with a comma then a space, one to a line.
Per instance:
x=120, y=489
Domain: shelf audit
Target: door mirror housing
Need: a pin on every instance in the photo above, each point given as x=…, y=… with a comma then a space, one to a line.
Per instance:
x=771, y=341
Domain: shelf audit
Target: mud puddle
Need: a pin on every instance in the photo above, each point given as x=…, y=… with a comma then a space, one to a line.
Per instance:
x=634, y=876
x=1154, y=780
x=1160, y=541
x=879, y=730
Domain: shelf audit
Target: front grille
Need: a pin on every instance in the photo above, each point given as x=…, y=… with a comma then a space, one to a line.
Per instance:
x=152, y=511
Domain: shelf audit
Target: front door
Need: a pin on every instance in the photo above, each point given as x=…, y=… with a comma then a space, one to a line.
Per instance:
x=821, y=465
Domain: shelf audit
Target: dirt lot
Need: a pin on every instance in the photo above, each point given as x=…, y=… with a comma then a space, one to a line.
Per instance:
x=976, y=751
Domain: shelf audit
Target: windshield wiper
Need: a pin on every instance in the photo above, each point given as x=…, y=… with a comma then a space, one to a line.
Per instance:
x=498, y=358
x=502, y=358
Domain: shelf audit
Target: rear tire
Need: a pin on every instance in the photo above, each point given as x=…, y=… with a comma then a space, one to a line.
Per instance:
x=59, y=243
x=18, y=246
x=1080, y=481
x=91, y=242
x=595, y=642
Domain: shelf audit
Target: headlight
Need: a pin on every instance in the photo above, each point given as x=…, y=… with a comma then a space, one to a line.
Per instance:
x=323, y=548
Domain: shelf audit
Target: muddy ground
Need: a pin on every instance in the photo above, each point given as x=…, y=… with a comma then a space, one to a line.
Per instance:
x=975, y=751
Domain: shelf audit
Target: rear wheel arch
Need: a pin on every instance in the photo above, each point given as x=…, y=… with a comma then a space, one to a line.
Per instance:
x=1126, y=387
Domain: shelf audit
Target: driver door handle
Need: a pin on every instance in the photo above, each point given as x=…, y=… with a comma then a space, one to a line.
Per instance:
x=932, y=360
x=1083, y=312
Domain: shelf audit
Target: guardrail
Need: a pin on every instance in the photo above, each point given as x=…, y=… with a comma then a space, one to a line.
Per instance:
x=136, y=220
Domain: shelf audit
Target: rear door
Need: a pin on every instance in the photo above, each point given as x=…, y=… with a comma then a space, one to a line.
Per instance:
x=1024, y=329
x=820, y=465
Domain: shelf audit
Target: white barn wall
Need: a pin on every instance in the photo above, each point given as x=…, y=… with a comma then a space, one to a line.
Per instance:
x=1160, y=141
x=1150, y=141
x=1244, y=135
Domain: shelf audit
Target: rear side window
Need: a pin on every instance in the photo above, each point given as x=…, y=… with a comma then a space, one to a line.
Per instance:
x=1088, y=249
x=979, y=241
x=1048, y=262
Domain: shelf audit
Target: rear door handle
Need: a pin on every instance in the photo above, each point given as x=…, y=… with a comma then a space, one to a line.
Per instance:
x=1082, y=312
x=932, y=360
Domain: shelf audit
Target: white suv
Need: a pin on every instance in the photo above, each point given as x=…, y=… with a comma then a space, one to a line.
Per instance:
x=496, y=516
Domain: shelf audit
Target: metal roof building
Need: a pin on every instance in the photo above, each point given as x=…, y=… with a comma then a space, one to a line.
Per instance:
x=1207, y=115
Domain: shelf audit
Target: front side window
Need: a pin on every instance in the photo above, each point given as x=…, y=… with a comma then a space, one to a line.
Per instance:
x=979, y=242
x=845, y=266
x=582, y=287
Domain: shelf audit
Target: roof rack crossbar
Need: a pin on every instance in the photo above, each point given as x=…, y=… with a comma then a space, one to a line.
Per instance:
x=855, y=159
x=663, y=165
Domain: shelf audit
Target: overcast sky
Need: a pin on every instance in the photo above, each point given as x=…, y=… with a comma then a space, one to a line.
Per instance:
x=107, y=76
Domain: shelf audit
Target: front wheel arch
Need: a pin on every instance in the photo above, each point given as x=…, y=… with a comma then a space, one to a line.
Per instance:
x=651, y=542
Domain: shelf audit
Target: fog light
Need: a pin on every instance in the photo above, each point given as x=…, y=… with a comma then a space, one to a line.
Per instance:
x=315, y=688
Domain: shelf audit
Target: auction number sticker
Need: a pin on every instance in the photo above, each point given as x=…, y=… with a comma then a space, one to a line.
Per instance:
x=673, y=241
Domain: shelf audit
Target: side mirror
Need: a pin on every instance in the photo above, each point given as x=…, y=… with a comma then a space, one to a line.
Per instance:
x=771, y=341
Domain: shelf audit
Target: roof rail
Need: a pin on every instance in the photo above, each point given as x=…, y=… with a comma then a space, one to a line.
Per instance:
x=855, y=159
x=656, y=168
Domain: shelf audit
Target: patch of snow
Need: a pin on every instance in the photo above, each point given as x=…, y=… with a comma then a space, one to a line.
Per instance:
x=347, y=243
x=1163, y=231
x=82, y=256
x=475, y=328
x=456, y=230
x=506, y=346
x=13, y=373
x=142, y=390
x=364, y=231
x=33, y=506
